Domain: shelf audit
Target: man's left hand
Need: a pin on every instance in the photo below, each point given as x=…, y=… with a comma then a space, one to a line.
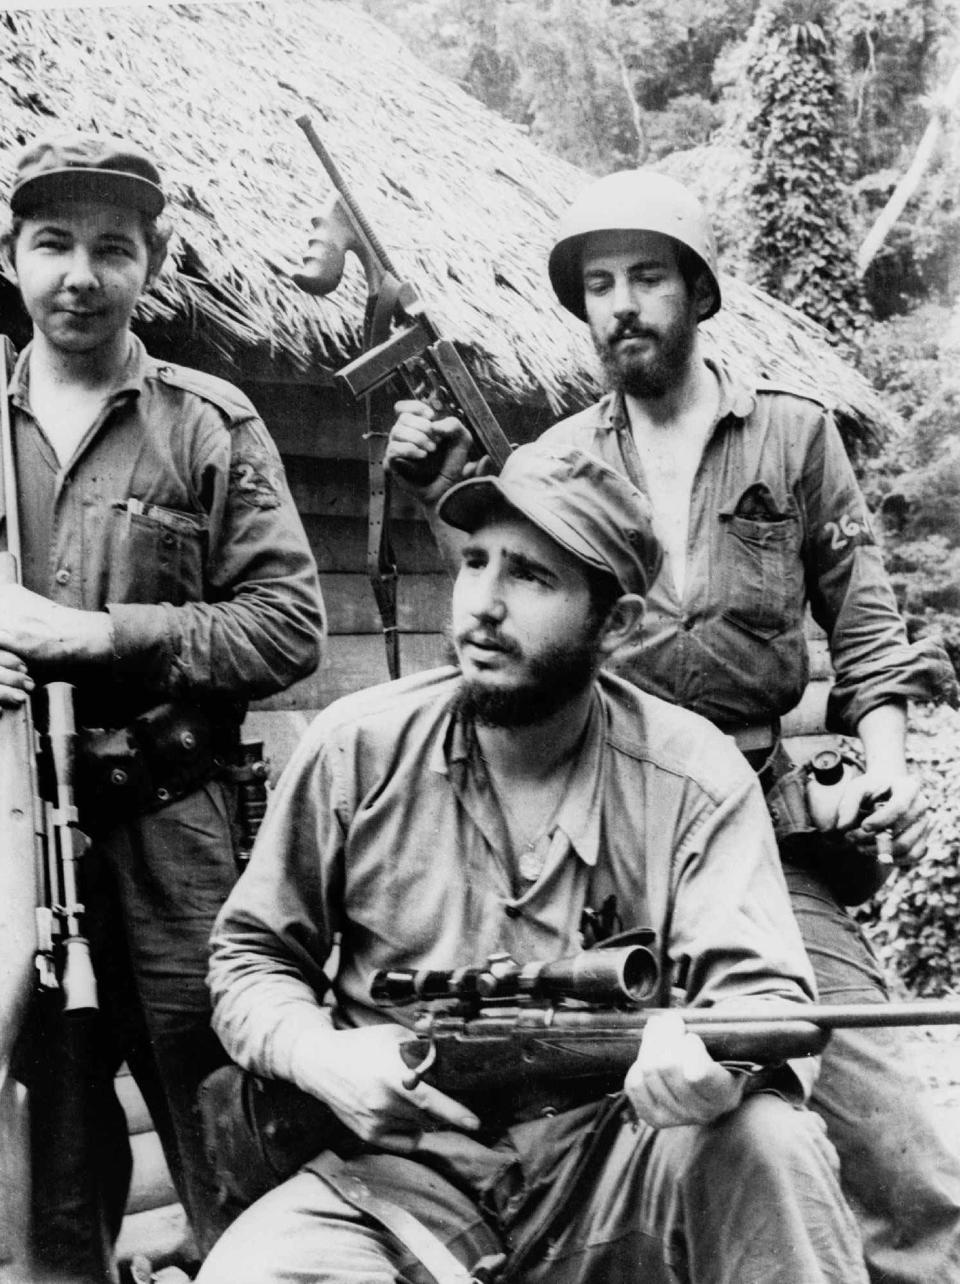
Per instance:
x=900, y=810
x=674, y=1080
x=40, y=631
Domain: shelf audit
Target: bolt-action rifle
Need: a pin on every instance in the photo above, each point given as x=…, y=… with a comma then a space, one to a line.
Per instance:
x=57, y=1053
x=504, y=1035
x=404, y=349
x=501, y=1024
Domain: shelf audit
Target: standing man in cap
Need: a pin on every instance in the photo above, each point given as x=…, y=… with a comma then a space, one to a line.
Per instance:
x=166, y=574
x=496, y=806
x=759, y=514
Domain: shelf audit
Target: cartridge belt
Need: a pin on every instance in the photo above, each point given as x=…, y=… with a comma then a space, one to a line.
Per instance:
x=753, y=737
x=164, y=754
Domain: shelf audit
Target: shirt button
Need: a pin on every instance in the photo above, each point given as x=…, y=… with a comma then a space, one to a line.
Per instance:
x=62, y=576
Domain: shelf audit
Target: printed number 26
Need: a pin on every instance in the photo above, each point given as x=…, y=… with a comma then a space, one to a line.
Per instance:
x=842, y=532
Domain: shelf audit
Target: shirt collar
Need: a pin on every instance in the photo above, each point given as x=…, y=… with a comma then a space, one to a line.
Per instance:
x=737, y=399
x=130, y=381
x=457, y=754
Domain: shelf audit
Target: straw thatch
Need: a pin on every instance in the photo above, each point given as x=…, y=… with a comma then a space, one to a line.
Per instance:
x=464, y=201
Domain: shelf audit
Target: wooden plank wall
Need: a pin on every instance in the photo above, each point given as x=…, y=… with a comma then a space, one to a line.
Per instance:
x=320, y=437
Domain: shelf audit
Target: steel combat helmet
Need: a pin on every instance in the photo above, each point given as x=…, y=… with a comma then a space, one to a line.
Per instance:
x=630, y=200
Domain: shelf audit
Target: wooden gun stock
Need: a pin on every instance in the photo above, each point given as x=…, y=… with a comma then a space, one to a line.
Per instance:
x=503, y=1047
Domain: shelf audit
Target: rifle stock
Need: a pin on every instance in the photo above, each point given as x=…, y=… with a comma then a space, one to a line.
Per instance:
x=502, y=1046
x=62, y=1061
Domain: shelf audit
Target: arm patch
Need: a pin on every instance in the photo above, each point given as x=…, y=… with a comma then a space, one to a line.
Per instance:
x=256, y=477
x=841, y=534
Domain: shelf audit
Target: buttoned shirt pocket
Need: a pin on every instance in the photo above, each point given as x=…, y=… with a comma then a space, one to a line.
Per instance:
x=157, y=554
x=761, y=566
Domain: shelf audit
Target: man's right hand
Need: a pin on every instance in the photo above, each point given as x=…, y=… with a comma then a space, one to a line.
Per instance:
x=360, y=1075
x=427, y=455
x=16, y=684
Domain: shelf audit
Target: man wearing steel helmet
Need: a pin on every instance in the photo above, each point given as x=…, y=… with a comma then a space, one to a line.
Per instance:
x=166, y=575
x=491, y=807
x=759, y=514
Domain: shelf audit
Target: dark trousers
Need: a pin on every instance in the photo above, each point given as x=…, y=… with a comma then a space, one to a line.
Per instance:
x=750, y=1199
x=901, y=1177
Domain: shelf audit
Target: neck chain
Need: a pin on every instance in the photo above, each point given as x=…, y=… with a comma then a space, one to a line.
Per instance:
x=525, y=833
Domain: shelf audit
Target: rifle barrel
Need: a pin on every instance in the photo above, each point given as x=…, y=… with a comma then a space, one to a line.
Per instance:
x=826, y=1016
x=845, y=1016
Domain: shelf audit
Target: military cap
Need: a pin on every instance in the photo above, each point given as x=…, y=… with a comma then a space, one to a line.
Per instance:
x=576, y=499
x=94, y=167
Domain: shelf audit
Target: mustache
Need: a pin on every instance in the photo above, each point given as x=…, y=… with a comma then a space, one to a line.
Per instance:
x=490, y=638
x=629, y=329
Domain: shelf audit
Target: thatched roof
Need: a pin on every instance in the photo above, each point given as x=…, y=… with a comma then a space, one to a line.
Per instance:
x=464, y=200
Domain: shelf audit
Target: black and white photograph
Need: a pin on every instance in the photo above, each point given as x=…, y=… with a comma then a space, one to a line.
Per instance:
x=479, y=642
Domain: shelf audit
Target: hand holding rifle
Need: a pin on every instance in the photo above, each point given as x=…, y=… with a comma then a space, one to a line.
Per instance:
x=444, y=416
x=674, y=1079
x=494, y=1026
x=360, y=1076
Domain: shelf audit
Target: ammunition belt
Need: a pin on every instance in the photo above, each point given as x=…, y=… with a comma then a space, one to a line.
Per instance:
x=167, y=752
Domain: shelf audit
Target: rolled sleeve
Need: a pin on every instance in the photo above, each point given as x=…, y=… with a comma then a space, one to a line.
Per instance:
x=734, y=937
x=274, y=934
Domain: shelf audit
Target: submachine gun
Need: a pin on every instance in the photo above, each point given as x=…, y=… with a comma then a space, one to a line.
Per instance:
x=403, y=349
x=502, y=1024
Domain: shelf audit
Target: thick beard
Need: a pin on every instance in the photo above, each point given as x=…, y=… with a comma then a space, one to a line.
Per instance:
x=654, y=375
x=555, y=678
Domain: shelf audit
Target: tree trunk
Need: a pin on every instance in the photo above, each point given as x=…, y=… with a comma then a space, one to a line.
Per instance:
x=911, y=180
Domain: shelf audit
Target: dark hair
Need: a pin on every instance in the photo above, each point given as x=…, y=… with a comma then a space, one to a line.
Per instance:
x=156, y=232
x=604, y=589
x=691, y=268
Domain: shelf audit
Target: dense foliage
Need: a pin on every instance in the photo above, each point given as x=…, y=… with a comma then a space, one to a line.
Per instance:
x=913, y=921
x=802, y=245
x=612, y=83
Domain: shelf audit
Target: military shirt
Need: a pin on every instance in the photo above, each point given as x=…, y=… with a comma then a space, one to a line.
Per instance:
x=174, y=516
x=776, y=521
x=384, y=832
